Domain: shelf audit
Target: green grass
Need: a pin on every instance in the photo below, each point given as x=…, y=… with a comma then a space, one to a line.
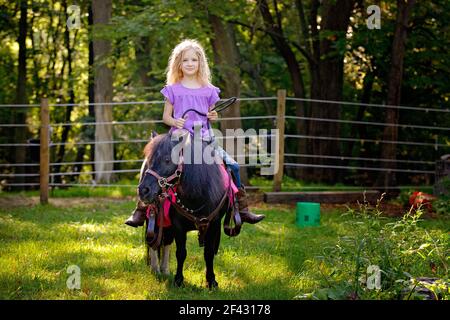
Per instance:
x=266, y=261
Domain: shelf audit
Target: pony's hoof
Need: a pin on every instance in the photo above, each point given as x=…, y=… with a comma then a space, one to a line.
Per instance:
x=213, y=285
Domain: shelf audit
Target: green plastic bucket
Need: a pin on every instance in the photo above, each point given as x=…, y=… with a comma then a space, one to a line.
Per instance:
x=308, y=214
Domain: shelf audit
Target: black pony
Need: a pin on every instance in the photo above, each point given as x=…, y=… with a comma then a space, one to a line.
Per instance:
x=200, y=191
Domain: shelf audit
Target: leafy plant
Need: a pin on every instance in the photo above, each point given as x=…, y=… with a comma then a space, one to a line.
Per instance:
x=442, y=205
x=401, y=251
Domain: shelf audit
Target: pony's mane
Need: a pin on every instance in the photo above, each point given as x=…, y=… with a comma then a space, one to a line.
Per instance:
x=151, y=146
x=200, y=183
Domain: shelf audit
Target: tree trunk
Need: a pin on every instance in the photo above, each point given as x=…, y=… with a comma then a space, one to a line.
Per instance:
x=21, y=133
x=143, y=60
x=87, y=133
x=91, y=91
x=226, y=57
x=254, y=73
x=103, y=88
x=275, y=31
x=357, y=130
x=327, y=83
x=390, y=133
x=71, y=94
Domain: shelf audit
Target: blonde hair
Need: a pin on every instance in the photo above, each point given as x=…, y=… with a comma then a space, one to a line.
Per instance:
x=175, y=74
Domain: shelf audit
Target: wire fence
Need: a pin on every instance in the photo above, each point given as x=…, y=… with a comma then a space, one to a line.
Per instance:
x=70, y=173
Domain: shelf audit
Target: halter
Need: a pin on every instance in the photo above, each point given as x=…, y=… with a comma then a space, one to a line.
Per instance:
x=165, y=182
x=153, y=209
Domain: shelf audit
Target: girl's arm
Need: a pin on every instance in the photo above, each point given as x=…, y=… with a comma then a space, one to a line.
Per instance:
x=168, y=119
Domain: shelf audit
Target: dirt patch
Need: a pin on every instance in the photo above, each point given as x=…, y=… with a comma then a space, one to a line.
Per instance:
x=16, y=201
x=256, y=200
x=389, y=209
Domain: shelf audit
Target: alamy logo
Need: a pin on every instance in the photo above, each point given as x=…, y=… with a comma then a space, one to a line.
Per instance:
x=73, y=21
x=74, y=280
x=256, y=151
x=374, y=19
x=373, y=277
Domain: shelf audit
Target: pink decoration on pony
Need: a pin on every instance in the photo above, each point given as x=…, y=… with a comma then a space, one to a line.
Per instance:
x=166, y=204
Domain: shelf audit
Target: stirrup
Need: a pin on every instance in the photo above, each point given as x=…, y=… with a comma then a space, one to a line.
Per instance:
x=235, y=215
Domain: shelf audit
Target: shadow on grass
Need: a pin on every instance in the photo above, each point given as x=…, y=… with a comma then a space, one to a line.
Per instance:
x=100, y=212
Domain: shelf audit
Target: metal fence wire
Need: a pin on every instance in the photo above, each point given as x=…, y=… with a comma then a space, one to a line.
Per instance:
x=82, y=173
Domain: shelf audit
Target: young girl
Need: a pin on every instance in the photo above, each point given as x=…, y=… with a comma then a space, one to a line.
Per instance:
x=189, y=86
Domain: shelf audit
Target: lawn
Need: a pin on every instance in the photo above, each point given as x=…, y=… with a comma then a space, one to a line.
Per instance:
x=274, y=259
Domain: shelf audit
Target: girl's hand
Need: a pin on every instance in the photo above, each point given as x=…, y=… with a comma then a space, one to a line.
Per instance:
x=179, y=123
x=212, y=116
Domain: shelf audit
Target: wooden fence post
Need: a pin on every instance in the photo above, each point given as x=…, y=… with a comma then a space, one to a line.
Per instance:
x=281, y=112
x=44, y=152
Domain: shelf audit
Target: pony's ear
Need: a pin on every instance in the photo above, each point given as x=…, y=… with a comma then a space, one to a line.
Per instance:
x=154, y=134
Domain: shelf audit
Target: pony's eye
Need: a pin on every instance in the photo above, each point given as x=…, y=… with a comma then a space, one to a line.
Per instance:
x=167, y=160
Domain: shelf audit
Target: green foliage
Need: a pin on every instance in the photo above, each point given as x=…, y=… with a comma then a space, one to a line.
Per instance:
x=442, y=205
x=402, y=249
x=142, y=34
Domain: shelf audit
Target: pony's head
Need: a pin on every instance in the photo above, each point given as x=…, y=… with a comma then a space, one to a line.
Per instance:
x=158, y=158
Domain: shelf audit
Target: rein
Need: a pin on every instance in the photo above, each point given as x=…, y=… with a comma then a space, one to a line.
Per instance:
x=218, y=108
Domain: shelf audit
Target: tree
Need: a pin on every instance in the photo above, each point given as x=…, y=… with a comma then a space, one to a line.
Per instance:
x=326, y=68
x=20, y=133
x=274, y=29
x=103, y=88
x=71, y=94
x=226, y=58
x=323, y=51
x=390, y=133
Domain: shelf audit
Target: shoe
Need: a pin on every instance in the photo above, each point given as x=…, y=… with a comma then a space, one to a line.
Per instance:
x=138, y=216
x=246, y=215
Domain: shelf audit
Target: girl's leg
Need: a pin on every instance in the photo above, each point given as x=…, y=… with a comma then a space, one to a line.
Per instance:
x=234, y=167
x=231, y=164
x=246, y=215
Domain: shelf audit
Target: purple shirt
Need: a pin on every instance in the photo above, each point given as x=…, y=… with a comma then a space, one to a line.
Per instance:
x=200, y=99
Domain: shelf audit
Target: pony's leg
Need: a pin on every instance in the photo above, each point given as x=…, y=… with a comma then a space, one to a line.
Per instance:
x=165, y=260
x=154, y=261
x=180, y=240
x=211, y=246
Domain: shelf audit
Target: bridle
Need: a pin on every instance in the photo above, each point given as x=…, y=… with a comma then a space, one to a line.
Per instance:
x=165, y=182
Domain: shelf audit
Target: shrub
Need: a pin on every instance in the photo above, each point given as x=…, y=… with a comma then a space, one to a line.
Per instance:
x=442, y=205
x=402, y=250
